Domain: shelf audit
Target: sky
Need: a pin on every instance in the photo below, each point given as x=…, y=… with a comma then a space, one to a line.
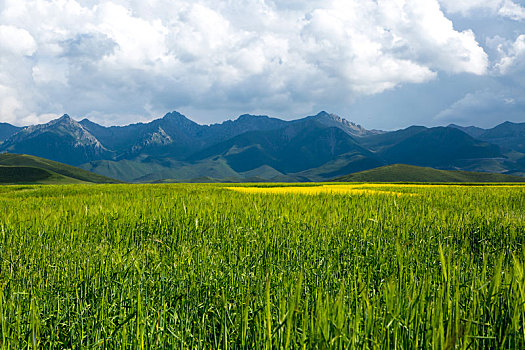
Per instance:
x=384, y=64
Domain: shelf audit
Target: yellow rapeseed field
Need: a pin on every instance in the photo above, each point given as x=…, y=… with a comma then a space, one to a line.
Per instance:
x=354, y=189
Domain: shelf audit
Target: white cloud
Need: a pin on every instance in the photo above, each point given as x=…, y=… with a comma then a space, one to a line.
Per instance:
x=10, y=104
x=131, y=57
x=16, y=41
x=504, y=8
x=426, y=34
x=512, y=10
x=139, y=41
x=512, y=55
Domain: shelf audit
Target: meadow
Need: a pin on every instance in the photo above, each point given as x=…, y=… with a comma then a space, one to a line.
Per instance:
x=262, y=266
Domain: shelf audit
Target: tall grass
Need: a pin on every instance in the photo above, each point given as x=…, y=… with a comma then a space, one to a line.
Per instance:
x=201, y=266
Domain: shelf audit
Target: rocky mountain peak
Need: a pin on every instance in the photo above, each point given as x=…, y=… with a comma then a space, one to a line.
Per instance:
x=175, y=120
x=64, y=121
x=63, y=126
x=333, y=120
x=176, y=116
x=65, y=118
x=157, y=137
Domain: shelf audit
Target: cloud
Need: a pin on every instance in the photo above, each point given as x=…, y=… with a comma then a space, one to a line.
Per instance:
x=501, y=96
x=512, y=55
x=90, y=46
x=504, y=8
x=16, y=41
x=424, y=32
x=123, y=59
x=484, y=108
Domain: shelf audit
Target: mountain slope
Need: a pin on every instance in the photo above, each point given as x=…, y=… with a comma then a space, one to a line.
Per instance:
x=216, y=133
x=7, y=130
x=507, y=135
x=63, y=140
x=67, y=171
x=410, y=173
x=440, y=147
x=383, y=141
x=295, y=148
x=174, y=134
x=473, y=131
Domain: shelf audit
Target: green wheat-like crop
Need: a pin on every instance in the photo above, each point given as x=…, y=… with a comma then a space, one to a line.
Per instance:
x=204, y=266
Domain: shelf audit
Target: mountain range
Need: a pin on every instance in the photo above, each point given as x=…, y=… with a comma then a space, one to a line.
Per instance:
x=260, y=148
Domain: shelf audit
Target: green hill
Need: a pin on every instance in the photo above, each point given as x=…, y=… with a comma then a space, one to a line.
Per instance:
x=410, y=173
x=21, y=168
x=30, y=175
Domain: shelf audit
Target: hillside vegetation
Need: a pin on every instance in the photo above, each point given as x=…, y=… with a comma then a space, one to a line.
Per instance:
x=411, y=173
x=22, y=168
x=31, y=175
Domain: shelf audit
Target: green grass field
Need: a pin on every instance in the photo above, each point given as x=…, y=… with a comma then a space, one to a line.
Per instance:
x=205, y=267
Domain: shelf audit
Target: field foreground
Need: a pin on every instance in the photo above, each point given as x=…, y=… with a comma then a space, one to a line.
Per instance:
x=223, y=266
